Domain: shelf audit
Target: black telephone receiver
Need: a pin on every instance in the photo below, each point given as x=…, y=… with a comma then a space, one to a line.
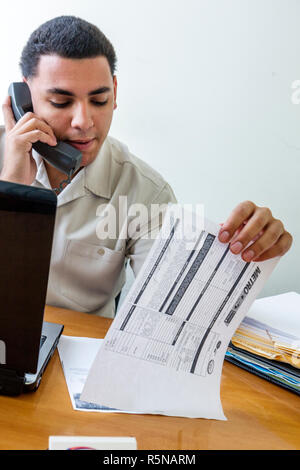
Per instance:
x=62, y=156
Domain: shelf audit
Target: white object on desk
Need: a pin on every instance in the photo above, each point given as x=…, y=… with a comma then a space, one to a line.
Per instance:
x=282, y=312
x=91, y=443
x=77, y=355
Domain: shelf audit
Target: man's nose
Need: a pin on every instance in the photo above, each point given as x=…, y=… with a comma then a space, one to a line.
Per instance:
x=82, y=117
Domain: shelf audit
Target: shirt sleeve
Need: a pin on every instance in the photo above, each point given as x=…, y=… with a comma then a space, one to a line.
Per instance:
x=139, y=245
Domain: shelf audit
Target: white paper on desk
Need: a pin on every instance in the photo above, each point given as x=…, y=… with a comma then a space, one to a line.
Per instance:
x=77, y=355
x=165, y=349
x=281, y=312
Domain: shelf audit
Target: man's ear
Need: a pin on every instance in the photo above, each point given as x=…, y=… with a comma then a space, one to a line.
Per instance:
x=115, y=91
x=28, y=82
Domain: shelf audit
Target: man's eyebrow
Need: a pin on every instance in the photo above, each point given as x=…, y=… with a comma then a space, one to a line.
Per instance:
x=59, y=91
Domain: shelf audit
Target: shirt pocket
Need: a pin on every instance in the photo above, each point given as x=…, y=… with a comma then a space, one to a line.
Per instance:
x=90, y=273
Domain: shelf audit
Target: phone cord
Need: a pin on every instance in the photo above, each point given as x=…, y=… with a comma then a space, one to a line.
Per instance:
x=62, y=185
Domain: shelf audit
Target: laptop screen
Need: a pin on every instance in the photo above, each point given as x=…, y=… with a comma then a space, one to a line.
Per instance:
x=27, y=218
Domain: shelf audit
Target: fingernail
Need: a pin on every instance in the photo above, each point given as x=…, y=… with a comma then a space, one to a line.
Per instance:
x=236, y=247
x=224, y=237
x=248, y=256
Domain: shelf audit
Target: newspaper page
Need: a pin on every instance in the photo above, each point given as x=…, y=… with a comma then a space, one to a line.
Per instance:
x=164, y=351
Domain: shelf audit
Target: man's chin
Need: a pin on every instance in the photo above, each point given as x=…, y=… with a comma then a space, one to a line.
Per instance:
x=89, y=157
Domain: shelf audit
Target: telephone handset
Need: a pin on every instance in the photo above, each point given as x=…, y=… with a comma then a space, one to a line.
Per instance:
x=62, y=156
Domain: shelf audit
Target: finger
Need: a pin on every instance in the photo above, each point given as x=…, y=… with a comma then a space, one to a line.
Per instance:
x=268, y=239
x=238, y=216
x=278, y=249
x=26, y=117
x=31, y=121
x=9, y=119
x=255, y=225
x=37, y=135
x=238, y=231
x=36, y=124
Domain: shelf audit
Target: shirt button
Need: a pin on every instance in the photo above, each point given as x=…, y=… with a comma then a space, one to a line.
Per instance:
x=101, y=251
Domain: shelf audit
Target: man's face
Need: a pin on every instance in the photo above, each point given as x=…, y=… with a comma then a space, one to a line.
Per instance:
x=76, y=97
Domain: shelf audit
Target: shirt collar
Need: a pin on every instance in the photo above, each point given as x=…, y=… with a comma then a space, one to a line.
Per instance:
x=41, y=175
x=96, y=177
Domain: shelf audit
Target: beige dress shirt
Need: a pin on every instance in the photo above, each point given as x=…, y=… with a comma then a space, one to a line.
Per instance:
x=87, y=270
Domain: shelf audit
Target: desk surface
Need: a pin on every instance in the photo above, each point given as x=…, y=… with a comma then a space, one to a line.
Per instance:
x=260, y=415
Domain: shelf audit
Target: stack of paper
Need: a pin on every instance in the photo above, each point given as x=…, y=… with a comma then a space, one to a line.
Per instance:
x=267, y=341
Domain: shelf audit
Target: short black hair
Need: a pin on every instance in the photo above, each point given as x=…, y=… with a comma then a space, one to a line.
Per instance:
x=68, y=37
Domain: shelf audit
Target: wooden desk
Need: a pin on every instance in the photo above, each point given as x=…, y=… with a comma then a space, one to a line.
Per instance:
x=260, y=415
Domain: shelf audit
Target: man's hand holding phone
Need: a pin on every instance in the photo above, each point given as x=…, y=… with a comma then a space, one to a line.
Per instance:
x=18, y=165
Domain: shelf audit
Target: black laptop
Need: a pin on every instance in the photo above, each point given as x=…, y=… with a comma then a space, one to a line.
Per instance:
x=27, y=219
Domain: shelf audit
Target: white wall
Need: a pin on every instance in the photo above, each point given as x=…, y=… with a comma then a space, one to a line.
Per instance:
x=204, y=97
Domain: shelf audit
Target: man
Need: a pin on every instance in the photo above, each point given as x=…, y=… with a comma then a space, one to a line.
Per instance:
x=69, y=66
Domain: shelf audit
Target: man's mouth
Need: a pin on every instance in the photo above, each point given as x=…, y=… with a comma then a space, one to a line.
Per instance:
x=84, y=144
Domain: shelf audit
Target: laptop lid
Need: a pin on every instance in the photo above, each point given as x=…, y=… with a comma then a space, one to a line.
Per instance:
x=27, y=218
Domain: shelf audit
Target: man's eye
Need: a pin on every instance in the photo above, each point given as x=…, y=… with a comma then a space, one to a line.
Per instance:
x=99, y=103
x=64, y=105
x=60, y=105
